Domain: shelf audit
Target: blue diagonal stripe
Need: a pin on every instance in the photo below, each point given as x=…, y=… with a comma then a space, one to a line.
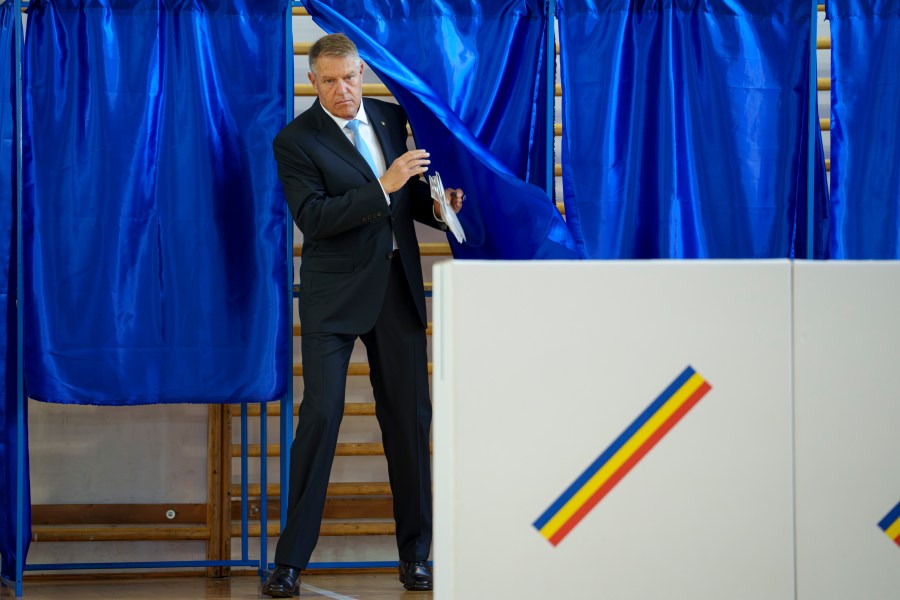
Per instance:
x=614, y=447
x=890, y=518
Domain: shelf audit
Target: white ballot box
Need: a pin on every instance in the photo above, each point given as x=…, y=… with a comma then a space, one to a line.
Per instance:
x=847, y=381
x=613, y=430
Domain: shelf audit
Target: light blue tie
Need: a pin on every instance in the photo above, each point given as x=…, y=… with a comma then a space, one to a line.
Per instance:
x=361, y=144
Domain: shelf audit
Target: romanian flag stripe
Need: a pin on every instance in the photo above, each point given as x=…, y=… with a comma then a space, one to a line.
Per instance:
x=621, y=457
x=614, y=447
x=617, y=460
x=891, y=524
x=893, y=532
x=633, y=460
x=890, y=518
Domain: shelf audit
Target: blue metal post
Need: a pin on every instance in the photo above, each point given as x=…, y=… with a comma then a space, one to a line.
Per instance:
x=21, y=448
x=551, y=103
x=287, y=402
x=811, y=142
x=152, y=564
x=245, y=520
x=263, y=484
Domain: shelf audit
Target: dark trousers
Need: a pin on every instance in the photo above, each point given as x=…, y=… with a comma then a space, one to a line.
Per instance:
x=397, y=353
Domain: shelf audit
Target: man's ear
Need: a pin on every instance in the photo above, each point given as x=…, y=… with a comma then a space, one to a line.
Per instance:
x=312, y=78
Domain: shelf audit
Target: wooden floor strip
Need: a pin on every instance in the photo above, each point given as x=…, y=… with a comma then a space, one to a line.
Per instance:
x=273, y=529
x=116, y=533
x=343, y=449
x=361, y=488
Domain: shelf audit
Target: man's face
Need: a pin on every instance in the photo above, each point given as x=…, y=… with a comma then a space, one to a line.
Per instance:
x=338, y=83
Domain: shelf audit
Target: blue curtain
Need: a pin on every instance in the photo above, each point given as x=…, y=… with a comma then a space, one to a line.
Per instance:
x=685, y=128
x=472, y=78
x=865, y=129
x=155, y=240
x=9, y=323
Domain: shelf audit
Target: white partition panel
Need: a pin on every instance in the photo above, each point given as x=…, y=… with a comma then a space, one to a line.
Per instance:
x=847, y=329
x=549, y=371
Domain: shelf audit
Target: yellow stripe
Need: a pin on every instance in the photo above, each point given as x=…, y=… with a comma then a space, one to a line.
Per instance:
x=894, y=530
x=625, y=452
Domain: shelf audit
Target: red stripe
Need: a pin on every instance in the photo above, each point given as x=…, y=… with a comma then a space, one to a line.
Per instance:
x=896, y=540
x=635, y=458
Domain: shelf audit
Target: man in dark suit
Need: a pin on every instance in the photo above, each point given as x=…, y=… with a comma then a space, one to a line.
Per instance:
x=354, y=191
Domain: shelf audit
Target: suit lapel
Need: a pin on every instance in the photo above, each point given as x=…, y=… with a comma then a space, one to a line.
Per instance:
x=331, y=136
x=379, y=124
x=382, y=123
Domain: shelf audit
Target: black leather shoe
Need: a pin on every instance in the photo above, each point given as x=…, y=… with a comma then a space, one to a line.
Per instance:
x=416, y=575
x=284, y=582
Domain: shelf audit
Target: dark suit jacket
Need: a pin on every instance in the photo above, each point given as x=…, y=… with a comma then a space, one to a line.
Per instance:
x=340, y=208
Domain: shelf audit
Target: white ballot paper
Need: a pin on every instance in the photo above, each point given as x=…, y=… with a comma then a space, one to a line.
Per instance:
x=437, y=192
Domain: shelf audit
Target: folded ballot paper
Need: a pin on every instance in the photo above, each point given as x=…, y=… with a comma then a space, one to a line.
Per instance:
x=437, y=192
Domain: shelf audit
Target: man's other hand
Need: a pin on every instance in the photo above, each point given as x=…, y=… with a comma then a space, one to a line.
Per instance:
x=411, y=164
x=454, y=199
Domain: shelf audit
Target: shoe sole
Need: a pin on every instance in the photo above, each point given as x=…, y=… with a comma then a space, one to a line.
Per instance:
x=280, y=594
x=416, y=587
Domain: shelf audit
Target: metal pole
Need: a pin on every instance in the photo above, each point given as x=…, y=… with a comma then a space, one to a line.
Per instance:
x=551, y=98
x=245, y=520
x=21, y=447
x=153, y=564
x=811, y=142
x=263, y=484
x=287, y=402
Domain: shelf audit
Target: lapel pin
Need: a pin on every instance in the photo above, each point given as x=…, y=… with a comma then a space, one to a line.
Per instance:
x=382, y=124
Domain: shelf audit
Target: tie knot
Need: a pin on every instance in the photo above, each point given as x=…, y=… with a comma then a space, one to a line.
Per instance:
x=353, y=126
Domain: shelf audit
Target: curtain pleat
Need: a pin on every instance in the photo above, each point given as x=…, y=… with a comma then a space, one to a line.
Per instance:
x=865, y=129
x=685, y=128
x=155, y=237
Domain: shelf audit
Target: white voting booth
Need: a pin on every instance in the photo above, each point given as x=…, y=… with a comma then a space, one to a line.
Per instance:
x=847, y=332
x=627, y=430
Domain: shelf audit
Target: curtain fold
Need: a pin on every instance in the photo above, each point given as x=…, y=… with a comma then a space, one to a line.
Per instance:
x=155, y=237
x=472, y=77
x=685, y=128
x=9, y=558
x=865, y=129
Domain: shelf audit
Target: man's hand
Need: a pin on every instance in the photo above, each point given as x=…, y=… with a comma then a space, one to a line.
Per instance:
x=411, y=164
x=454, y=199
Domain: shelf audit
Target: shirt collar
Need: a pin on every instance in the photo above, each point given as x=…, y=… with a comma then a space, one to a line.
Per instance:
x=341, y=123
